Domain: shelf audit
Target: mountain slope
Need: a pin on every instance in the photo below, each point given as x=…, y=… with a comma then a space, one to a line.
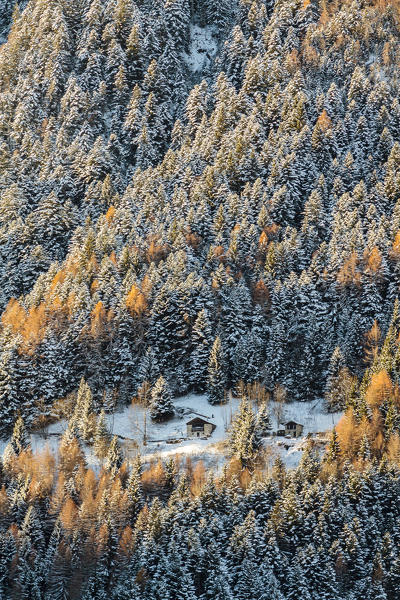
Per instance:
x=142, y=212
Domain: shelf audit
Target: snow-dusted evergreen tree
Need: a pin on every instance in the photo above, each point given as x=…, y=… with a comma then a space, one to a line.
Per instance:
x=102, y=436
x=201, y=344
x=83, y=420
x=161, y=406
x=338, y=384
x=148, y=370
x=10, y=401
x=245, y=432
x=216, y=385
x=114, y=456
x=19, y=438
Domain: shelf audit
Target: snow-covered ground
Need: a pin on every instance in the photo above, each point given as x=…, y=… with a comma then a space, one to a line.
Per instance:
x=202, y=48
x=132, y=425
x=309, y=414
x=167, y=439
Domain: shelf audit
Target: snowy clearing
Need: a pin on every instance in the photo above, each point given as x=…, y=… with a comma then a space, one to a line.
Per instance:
x=161, y=436
x=309, y=414
x=202, y=48
x=169, y=439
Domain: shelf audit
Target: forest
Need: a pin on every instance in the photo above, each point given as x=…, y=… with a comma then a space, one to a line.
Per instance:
x=199, y=197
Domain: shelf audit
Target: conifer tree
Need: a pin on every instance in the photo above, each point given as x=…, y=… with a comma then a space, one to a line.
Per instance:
x=82, y=420
x=19, y=438
x=333, y=451
x=216, y=387
x=9, y=398
x=134, y=489
x=338, y=384
x=161, y=406
x=201, y=344
x=114, y=456
x=102, y=437
x=244, y=437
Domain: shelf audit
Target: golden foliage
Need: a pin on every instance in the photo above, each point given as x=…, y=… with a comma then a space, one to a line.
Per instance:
x=378, y=443
x=352, y=432
x=58, y=278
x=143, y=394
x=198, y=477
x=141, y=578
x=136, y=302
x=263, y=241
x=396, y=246
x=154, y=477
x=272, y=231
x=373, y=261
x=4, y=503
x=236, y=472
x=14, y=315
x=310, y=55
x=156, y=252
x=219, y=253
x=349, y=274
x=293, y=60
x=41, y=469
x=68, y=515
x=126, y=543
x=110, y=214
x=102, y=538
x=348, y=434
x=371, y=345
x=324, y=122
x=193, y=240
x=70, y=455
x=255, y=392
x=95, y=286
x=89, y=487
x=100, y=321
x=32, y=324
x=393, y=448
x=387, y=54
x=380, y=389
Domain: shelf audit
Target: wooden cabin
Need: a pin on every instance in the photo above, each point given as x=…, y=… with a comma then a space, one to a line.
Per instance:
x=293, y=429
x=199, y=427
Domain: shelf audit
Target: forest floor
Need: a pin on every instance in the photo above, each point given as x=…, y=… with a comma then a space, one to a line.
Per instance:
x=169, y=439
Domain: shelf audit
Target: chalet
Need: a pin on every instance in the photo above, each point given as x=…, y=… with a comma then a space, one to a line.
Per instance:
x=198, y=427
x=293, y=429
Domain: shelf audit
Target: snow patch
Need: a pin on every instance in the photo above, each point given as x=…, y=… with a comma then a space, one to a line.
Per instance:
x=202, y=49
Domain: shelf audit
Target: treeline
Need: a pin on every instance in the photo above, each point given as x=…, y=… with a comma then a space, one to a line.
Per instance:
x=172, y=531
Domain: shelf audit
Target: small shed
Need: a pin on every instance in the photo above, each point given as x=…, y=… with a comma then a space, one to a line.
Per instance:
x=199, y=427
x=293, y=429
